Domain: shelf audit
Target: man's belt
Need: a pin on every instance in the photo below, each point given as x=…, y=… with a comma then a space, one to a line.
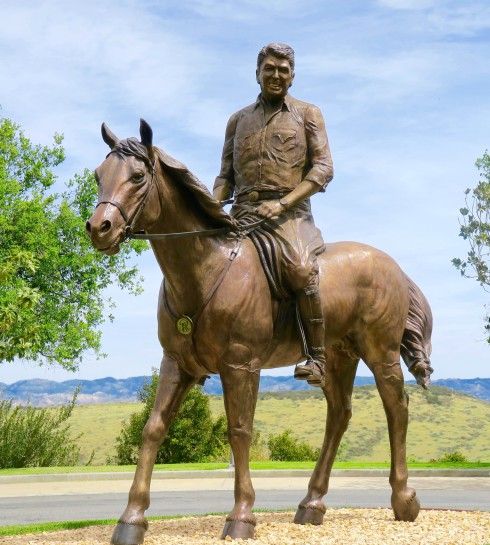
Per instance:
x=254, y=196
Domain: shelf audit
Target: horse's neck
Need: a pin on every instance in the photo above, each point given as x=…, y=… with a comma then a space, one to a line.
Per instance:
x=189, y=265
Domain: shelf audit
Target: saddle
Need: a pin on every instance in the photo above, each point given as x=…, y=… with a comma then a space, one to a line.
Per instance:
x=269, y=252
x=270, y=255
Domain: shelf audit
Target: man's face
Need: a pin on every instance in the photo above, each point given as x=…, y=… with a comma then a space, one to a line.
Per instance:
x=275, y=77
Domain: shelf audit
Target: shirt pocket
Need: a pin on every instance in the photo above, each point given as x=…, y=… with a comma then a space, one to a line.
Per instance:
x=284, y=140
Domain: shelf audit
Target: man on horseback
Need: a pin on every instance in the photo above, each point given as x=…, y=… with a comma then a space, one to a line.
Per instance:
x=275, y=157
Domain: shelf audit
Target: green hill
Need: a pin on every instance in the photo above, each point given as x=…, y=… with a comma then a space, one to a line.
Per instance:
x=441, y=421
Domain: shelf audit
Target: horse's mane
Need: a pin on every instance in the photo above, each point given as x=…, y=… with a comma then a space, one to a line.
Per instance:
x=182, y=175
x=206, y=202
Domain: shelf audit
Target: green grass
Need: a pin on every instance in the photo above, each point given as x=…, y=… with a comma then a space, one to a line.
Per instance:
x=16, y=530
x=99, y=469
x=441, y=421
x=269, y=465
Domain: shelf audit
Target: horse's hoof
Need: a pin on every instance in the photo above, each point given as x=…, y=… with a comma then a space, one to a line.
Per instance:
x=310, y=513
x=128, y=534
x=405, y=504
x=237, y=529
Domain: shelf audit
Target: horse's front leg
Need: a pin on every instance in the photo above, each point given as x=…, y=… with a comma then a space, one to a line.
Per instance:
x=173, y=385
x=240, y=388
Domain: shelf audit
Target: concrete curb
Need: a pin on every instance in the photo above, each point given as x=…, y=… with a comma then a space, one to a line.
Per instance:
x=229, y=473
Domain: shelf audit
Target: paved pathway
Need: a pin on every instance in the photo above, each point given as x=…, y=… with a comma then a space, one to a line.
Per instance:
x=55, y=500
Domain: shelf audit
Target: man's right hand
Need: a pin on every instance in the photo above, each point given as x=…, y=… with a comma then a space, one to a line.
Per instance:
x=270, y=209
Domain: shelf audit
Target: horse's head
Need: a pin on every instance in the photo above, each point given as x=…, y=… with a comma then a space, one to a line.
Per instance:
x=125, y=179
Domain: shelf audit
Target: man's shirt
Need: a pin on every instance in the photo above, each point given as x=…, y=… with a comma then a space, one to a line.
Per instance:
x=275, y=153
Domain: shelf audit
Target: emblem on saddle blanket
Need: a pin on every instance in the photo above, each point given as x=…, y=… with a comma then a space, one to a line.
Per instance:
x=184, y=325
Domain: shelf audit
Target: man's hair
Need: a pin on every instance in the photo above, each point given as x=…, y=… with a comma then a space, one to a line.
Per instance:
x=281, y=51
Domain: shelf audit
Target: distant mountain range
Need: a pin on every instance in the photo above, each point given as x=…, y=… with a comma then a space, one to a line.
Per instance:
x=42, y=393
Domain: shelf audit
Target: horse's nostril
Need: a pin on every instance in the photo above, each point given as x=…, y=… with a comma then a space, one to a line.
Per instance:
x=105, y=226
x=88, y=227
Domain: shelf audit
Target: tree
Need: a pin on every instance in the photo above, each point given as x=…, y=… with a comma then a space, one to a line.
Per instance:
x=475, y=228
x=52, y=281
x=194, y=435
x=31, y=437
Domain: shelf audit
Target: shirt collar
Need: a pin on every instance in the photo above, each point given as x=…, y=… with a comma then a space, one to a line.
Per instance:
x=286, y=105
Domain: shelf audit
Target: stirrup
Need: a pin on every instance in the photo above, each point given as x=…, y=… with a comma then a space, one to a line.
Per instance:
x=311, y=372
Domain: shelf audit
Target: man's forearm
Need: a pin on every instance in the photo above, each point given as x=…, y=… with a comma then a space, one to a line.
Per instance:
x=272, y=209
x=301, y=192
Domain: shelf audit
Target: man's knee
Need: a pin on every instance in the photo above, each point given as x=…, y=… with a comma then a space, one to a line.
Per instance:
x=304, y=278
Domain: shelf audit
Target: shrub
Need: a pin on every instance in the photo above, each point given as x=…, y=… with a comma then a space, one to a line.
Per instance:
x=287, y=448
x=31, y=437
x=194, y=435
x=455, y=457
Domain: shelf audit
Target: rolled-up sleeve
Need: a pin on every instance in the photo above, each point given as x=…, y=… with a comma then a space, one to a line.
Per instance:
x=321, y=171
x=227, y=174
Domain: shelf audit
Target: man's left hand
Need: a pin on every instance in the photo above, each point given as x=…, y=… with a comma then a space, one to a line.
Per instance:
x=270, y=209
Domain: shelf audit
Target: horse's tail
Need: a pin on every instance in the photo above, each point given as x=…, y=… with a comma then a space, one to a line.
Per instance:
x=416, y=346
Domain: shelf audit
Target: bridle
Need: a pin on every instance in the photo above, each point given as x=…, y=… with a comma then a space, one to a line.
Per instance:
x=131, y=220
x=128, y=230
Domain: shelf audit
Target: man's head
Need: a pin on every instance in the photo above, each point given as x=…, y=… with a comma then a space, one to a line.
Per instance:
x=275, y=71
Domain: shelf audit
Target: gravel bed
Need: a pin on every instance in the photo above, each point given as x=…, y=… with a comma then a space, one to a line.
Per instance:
x=340, y=527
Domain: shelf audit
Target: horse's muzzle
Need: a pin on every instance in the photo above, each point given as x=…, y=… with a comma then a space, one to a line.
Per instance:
x=105, y=233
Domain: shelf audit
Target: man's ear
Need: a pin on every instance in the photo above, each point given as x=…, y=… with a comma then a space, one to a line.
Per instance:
x=292, y=79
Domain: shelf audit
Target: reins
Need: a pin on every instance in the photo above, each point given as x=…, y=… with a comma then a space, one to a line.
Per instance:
x=159, y=236
x=129, y=234
x=241, y=230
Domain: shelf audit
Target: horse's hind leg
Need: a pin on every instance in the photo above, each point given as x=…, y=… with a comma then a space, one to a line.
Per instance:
x=173, y=386
x=240, y=389
x=389, y=380
x=339, y=381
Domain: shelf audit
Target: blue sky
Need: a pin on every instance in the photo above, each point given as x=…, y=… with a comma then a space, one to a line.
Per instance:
x=403, y=86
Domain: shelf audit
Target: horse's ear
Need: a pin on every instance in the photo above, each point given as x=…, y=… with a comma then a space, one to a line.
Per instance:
x=146, y=133
x=108, y=136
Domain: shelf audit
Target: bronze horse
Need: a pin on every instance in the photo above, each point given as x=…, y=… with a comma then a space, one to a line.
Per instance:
x=216, y=315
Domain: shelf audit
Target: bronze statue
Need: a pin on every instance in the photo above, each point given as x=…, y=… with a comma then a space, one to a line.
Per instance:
x=217, y=314
x=275, y=156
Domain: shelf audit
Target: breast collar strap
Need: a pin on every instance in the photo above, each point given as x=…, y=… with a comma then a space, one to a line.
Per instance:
x=206, y=300
x=212, y=291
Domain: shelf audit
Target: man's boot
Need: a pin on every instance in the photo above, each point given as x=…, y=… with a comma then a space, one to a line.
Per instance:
x=311, y=316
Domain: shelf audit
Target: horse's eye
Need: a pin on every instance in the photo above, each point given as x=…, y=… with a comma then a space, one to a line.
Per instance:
x=138, y=177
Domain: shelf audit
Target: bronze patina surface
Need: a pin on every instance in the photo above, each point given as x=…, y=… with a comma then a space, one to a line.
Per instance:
x=373, y=310
x=275, y=156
